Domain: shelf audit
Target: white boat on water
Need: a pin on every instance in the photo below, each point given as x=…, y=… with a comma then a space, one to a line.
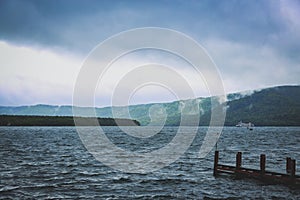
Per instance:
x=249, y=125
x=241, y=124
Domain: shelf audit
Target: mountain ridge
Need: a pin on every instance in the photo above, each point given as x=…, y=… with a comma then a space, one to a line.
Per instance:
x=275, y=106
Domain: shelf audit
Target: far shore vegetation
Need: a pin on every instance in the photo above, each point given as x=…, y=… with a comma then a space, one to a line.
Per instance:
x=26, y=120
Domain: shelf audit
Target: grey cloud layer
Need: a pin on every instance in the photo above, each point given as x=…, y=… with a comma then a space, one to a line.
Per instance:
x=80, y=25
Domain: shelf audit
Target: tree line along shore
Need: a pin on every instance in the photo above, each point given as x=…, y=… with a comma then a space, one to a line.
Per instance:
x=26, y=120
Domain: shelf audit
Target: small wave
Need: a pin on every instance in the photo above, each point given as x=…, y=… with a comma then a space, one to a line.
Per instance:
x=87, y=173
x=168, y=181
x=227, y=198
x=8, y=188
x=122, y=180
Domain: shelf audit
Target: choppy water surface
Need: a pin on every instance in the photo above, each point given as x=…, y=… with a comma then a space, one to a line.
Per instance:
x=51, y=162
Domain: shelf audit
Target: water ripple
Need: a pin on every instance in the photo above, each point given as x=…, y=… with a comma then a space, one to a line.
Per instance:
x=52, y=163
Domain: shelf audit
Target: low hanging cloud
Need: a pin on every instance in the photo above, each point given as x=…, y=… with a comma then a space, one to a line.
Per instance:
x=30, y=76
x=246, y=67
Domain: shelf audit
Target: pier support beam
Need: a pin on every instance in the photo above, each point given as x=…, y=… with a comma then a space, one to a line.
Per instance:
x=293, y=167
x=238, y=163
x=216, y=162
x=288, y=165
x=262, y=163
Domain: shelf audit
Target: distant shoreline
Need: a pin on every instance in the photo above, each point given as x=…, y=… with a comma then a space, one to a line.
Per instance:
x=34, y=120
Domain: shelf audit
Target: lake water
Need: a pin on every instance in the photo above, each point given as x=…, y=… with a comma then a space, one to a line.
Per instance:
x=52, y=163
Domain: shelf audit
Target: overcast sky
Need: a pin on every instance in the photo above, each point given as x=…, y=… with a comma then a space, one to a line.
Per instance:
x=254, y=44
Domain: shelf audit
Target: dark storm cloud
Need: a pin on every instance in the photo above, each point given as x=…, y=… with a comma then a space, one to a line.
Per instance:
x=80, y=25
x=45, y=22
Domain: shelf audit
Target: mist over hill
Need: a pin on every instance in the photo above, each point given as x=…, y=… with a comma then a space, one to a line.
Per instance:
x=277, y=106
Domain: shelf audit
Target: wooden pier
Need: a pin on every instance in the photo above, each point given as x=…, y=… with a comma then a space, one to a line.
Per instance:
x=290, y=178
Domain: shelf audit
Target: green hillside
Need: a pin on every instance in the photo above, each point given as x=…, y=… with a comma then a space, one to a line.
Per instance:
x=277, y=106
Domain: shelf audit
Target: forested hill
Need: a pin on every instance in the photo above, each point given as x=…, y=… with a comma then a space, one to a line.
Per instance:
x=277, y=106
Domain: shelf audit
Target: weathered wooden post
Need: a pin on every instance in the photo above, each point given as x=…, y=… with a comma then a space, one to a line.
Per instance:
x=238, y=163
x=262, y=163
x=288, y=165
x=293, y=167
x=216, y=162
